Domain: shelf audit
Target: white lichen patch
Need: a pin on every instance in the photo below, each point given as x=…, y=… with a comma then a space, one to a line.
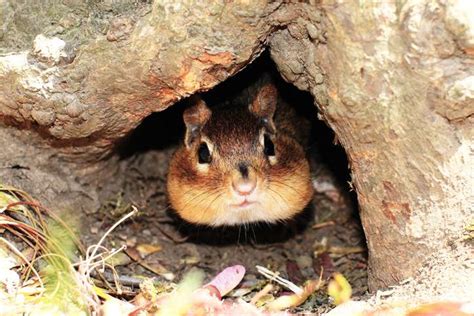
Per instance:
x=49, y=49
x=460, y=21
x=462, y=90
x=30, y=76
x=13, y=62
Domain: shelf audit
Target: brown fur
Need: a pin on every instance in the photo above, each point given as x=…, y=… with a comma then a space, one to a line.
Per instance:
x=203, y=194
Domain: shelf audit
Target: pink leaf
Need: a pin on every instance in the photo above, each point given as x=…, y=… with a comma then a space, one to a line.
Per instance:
x=228, y=279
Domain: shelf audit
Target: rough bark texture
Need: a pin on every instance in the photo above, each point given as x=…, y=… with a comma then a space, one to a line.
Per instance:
x=86, y=93
x=400, y=89
x=394, y=81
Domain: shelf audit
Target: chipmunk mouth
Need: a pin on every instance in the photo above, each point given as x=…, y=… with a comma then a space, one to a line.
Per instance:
x=244, y=204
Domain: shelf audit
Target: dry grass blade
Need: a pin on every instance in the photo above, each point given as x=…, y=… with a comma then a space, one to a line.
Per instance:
x=88, y=265
x=52, y=244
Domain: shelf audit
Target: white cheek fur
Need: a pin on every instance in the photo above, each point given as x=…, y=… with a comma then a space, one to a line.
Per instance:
x=203, y=167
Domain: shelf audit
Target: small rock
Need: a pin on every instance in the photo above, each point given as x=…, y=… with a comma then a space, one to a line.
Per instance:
x=460, y=22
x=461, y=90
x=119, y=259
x=94, y=230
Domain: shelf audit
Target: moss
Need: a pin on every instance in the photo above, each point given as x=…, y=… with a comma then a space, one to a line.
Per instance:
x=74, y=21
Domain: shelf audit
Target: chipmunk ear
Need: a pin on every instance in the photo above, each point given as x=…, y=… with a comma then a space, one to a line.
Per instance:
x=195, y=117
x=264, y=106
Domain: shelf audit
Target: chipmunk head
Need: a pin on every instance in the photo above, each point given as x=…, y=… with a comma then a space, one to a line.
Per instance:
x=236, y=167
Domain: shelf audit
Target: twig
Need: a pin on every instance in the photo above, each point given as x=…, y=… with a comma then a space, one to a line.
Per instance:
x=323, y=224
x=345, y=250
x=266, y=289
x=123, y=279
x=278, y=279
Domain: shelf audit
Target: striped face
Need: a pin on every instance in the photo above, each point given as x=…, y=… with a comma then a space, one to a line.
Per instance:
x=237, y=168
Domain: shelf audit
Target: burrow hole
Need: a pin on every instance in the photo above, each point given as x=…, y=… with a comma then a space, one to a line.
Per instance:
x=298, y=249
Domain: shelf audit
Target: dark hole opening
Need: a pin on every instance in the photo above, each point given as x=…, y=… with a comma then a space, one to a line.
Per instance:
x=165, y=130
x=334, y=207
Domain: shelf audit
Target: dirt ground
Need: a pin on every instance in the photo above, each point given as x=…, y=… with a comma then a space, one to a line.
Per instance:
x=327, y=234
x=287, y=248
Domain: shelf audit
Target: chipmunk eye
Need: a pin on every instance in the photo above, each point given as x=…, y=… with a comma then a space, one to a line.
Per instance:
x=204, y=154
x=268, y=146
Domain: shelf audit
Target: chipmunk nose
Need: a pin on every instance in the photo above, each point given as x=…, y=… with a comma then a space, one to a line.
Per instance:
x=244, y=182
x=244, y=187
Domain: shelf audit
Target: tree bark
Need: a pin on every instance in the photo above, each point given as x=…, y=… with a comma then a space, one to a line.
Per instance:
x=394, y=81
x=87, y=93
x=399, y=89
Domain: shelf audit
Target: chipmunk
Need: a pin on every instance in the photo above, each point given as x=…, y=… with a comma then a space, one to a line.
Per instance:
x=240, y=164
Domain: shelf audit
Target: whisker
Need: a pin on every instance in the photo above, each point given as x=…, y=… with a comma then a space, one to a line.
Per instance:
x=281, y=197
x=199, y=195
x=208, y=207
x=238, y=236
x=253, y=232
x=275, y=200
x=246, y=230
x=283, y=184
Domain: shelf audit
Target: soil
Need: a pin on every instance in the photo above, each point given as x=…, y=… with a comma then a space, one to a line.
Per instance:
x=287, y=248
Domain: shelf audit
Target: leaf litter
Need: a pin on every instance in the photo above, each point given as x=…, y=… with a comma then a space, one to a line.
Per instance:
x=45, y=270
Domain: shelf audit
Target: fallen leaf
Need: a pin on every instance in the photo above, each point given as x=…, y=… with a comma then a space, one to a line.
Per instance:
x=147, y=249
x=264, y=299
x=190, y=260
x=339, y=289
x=240, y=292
x=288, y=301
x=159, y=269
x=228, y=279
x=133, y=253
x=293, y=271
x=119, y=259
x=323, y=224
x=323, y=263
